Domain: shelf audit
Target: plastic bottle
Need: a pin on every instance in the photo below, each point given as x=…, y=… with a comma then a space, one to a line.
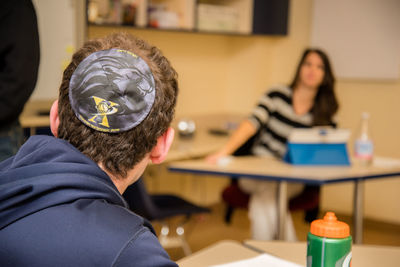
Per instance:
x=329, y=243
x=364, y=146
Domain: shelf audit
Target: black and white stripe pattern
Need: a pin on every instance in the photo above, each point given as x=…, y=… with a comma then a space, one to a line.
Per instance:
x=275, y=118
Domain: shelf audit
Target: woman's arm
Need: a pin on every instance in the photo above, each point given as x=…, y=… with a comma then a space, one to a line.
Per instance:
x=245, y=130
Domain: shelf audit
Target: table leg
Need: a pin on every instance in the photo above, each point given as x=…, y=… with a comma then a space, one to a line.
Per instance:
x=358, y=211
x=32, y=131
x=282, y=209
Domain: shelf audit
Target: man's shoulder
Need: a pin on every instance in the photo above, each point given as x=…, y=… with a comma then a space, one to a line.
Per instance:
x=133, y=235
x=109, y=214
x=106, y=233
x=143, y=249
x=96, y=219
x=119, y=233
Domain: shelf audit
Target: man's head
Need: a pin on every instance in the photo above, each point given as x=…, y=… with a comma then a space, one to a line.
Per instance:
x=141, y=90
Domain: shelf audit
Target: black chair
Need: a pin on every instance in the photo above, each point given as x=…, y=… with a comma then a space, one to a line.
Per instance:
x=234, y=197
x=160, y=207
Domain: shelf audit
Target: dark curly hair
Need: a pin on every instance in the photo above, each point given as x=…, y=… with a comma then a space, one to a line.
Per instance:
x=120, y=152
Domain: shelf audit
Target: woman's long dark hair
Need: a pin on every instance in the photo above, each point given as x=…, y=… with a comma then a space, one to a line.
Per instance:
x=325, y=102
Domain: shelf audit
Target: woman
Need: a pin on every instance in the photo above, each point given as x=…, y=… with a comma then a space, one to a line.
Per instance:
x=308, y=101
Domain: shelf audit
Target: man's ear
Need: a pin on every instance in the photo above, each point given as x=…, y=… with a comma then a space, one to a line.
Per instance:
x=164, y=142
x=54, y=119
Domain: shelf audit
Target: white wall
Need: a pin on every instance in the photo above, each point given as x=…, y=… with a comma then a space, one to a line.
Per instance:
x=57, y=33
x=362, y=36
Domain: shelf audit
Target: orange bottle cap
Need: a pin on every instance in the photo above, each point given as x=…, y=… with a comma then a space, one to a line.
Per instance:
x=330, y=227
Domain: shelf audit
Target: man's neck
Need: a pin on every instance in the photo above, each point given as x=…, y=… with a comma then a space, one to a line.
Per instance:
x=122, y=183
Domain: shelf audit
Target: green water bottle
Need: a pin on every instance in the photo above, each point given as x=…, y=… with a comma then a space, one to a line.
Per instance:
x=329, y=243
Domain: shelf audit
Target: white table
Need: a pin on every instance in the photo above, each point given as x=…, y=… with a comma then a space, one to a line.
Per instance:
x=202, y=142
x=218, y=253
x=229, y=251
x=268, y=168
x=362, y=255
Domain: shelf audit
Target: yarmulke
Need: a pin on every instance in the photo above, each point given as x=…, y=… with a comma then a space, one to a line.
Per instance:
x=112, y=90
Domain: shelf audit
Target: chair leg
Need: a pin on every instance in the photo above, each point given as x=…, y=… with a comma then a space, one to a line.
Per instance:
x=168, y=241
x=164, y=238
x=185, y=246
x=164, y=229
x=228, y=214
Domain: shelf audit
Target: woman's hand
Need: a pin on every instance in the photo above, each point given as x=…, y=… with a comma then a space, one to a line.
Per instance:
x=245, y=130
x=215, y=157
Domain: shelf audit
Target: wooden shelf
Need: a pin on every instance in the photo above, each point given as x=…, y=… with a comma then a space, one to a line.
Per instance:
x=243, y=17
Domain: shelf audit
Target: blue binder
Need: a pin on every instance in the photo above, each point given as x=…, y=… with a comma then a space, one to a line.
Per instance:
x=318, y=146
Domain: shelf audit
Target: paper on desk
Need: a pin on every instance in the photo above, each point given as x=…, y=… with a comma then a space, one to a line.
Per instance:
x=261, y=261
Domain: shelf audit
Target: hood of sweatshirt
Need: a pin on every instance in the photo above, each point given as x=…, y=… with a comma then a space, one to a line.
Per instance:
x=47, y=172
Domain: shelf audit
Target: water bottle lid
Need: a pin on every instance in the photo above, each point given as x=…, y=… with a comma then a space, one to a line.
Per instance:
x=330, y=227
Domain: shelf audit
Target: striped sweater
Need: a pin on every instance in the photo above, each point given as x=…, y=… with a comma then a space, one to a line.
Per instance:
x=274, y=119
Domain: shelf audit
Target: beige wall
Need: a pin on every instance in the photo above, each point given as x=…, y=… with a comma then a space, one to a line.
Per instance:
x=228, y=73
x=381, y=99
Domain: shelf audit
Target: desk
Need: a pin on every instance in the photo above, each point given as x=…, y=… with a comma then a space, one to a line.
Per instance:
x=218, y=253
x=36, y=114
x=228, y=251
x=363, y=255
x=267, y=168
x=202, y=142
